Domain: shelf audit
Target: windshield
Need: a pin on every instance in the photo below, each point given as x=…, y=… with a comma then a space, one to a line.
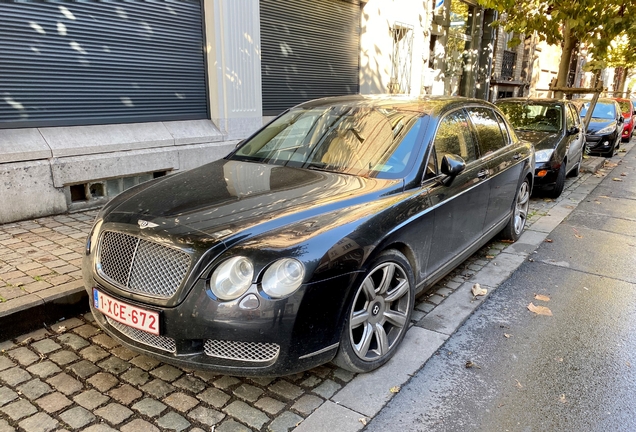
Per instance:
x=602, y=110
x=626, y=107
x=529, y=116
x=370, y=142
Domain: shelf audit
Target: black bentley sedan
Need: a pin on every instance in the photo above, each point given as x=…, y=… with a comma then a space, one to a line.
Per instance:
x=309, y=242
x=554, y=127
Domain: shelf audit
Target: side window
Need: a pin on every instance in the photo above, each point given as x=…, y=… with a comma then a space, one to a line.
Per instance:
x=489, y=134
x=454, y=137
x=569, y=118
x=431, y=166
x=504, y=128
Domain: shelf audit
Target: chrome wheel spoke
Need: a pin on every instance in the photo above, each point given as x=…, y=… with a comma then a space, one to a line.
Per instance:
x=369, y=288
x=387, y=276
x=396, y=318
x=362, y=347
x=398, y=292
x=382, y=339
x=359, y=318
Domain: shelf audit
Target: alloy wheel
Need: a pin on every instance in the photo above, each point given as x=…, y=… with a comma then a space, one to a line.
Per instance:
x=521, y=207
x=380, y=311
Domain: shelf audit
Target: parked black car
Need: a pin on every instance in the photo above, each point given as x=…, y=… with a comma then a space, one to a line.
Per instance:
x=603, y=135
x=554, y=127
x=308, y=242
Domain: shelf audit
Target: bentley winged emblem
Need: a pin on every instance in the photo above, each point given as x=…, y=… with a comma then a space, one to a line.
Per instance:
x=145, y=224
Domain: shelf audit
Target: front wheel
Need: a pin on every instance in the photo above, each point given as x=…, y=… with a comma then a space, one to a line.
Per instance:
x=560, y=182
x=577, y=170
x=519, y=215
x=379, y=316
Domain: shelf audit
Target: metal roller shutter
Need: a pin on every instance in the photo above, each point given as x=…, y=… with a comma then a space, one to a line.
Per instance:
x=310, y=49
x=78, y=63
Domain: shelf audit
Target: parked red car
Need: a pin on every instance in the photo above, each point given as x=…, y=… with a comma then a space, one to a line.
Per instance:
x=629, y=113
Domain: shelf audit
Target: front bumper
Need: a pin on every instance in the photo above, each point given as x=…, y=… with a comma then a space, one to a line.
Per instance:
x=279, y=337
x=600, y=143
x=549, y=179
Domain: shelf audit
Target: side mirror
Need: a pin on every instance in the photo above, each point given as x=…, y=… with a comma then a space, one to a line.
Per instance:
x=452, y=165
x=573, y=130
x=621, y=120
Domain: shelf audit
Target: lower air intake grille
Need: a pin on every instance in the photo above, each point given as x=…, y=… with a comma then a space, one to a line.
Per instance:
x=245, y=351
x=160, y=342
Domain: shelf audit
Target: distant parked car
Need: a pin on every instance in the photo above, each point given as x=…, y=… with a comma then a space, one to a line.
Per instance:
x=603, y=135
x=309, y=241
x=554, y=127
x=629, y=116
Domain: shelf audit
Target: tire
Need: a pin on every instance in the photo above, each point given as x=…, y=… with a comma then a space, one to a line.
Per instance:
x=577, y=169
x=379, y=314
x=559, y=184
x=519, y=215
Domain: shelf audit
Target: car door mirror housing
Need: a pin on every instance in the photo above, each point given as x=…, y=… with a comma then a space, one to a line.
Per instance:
x=452, y=165
x=573, y=130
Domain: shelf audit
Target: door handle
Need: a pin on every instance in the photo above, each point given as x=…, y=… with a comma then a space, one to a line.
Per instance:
x=483, y=174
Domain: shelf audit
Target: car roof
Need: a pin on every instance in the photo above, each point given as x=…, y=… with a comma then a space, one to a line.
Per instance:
x=534, y=100
x=425, y=104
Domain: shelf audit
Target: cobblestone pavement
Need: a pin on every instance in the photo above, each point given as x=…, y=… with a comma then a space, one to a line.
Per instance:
x=73, y=376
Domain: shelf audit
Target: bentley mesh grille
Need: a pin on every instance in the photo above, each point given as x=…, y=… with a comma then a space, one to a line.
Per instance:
x=246, y=351
x=140, y=265
x=160, y=342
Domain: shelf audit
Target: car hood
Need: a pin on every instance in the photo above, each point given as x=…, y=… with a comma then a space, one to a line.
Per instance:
x=226, y=198
x=597, y=124
x=540, y=140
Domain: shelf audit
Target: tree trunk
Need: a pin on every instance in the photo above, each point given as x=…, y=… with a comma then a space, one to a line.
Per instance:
x=620, y=88
x=569, y=42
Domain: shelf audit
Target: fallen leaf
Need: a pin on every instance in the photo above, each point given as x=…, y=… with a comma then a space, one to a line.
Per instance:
x=470, y=364
x=478, y=290
x=530, y=259
x=363, y=420
x=578, y=236
x=61, y=329
x=617, y=179
x=560, y=359
x=539, y=310
x=542, y=297
x=603, y=196
x=519, y=384
x=490, y=256
x=569, y=207
x=506, y=335
x=548, y=240
x=507, y=241
x=628, y=364
x=395, y=389
x=562, y=399
x=548, y=200
x=623, y=174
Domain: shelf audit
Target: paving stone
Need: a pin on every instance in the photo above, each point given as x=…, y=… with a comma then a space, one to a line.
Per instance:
x=343, y=375
x=86, y=331
x=123, y=353
x=40, y=422
x=231, y=426
x=34, y=389
x=5, y=363
x=327, y=389
x=19, y=409
x=263, y=381
x=285, y=422
x=139, y=425
x=181, y=401
x=145, y=363
x=311, y=381
x=83, y=369
x=63, y=357
x=417, y=315
x=44, y=369
x=173, y=421
x=24, y=356
x=321, y=371
x=248, y=392
x=105, y=341
x=158, y=388
x=93, y=353
x=225, y=381
x=286, y=390
x=103, y=381
x=207, y=416
x=90, y=399
x=167, y=373
x=5, y=426
x=77, y=417
x=114, y=413
x=115, y=365
x=425, y=307
x=190, y=383
x=206, y=376
x=136, y=376
x=125, y=394
x=270, y=405
x=65, y=383
x=246, y=414
x=149, y=407
x=53, y=402
x=45, y=346
x=214, y=397
x=307, y=404
x=7, y=395
x=14, y=376
x=73, y=341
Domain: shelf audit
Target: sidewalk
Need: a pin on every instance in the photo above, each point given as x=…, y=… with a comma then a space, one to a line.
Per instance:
x=70, y=373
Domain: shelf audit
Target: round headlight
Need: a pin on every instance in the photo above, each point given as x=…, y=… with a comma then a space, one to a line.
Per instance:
x=232, y=278
x=283, y=277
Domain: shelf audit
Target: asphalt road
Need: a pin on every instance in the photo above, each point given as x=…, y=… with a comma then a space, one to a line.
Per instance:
x=572, y=371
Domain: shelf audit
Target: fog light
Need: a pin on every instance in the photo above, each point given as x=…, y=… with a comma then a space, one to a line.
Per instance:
x=542, y=173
